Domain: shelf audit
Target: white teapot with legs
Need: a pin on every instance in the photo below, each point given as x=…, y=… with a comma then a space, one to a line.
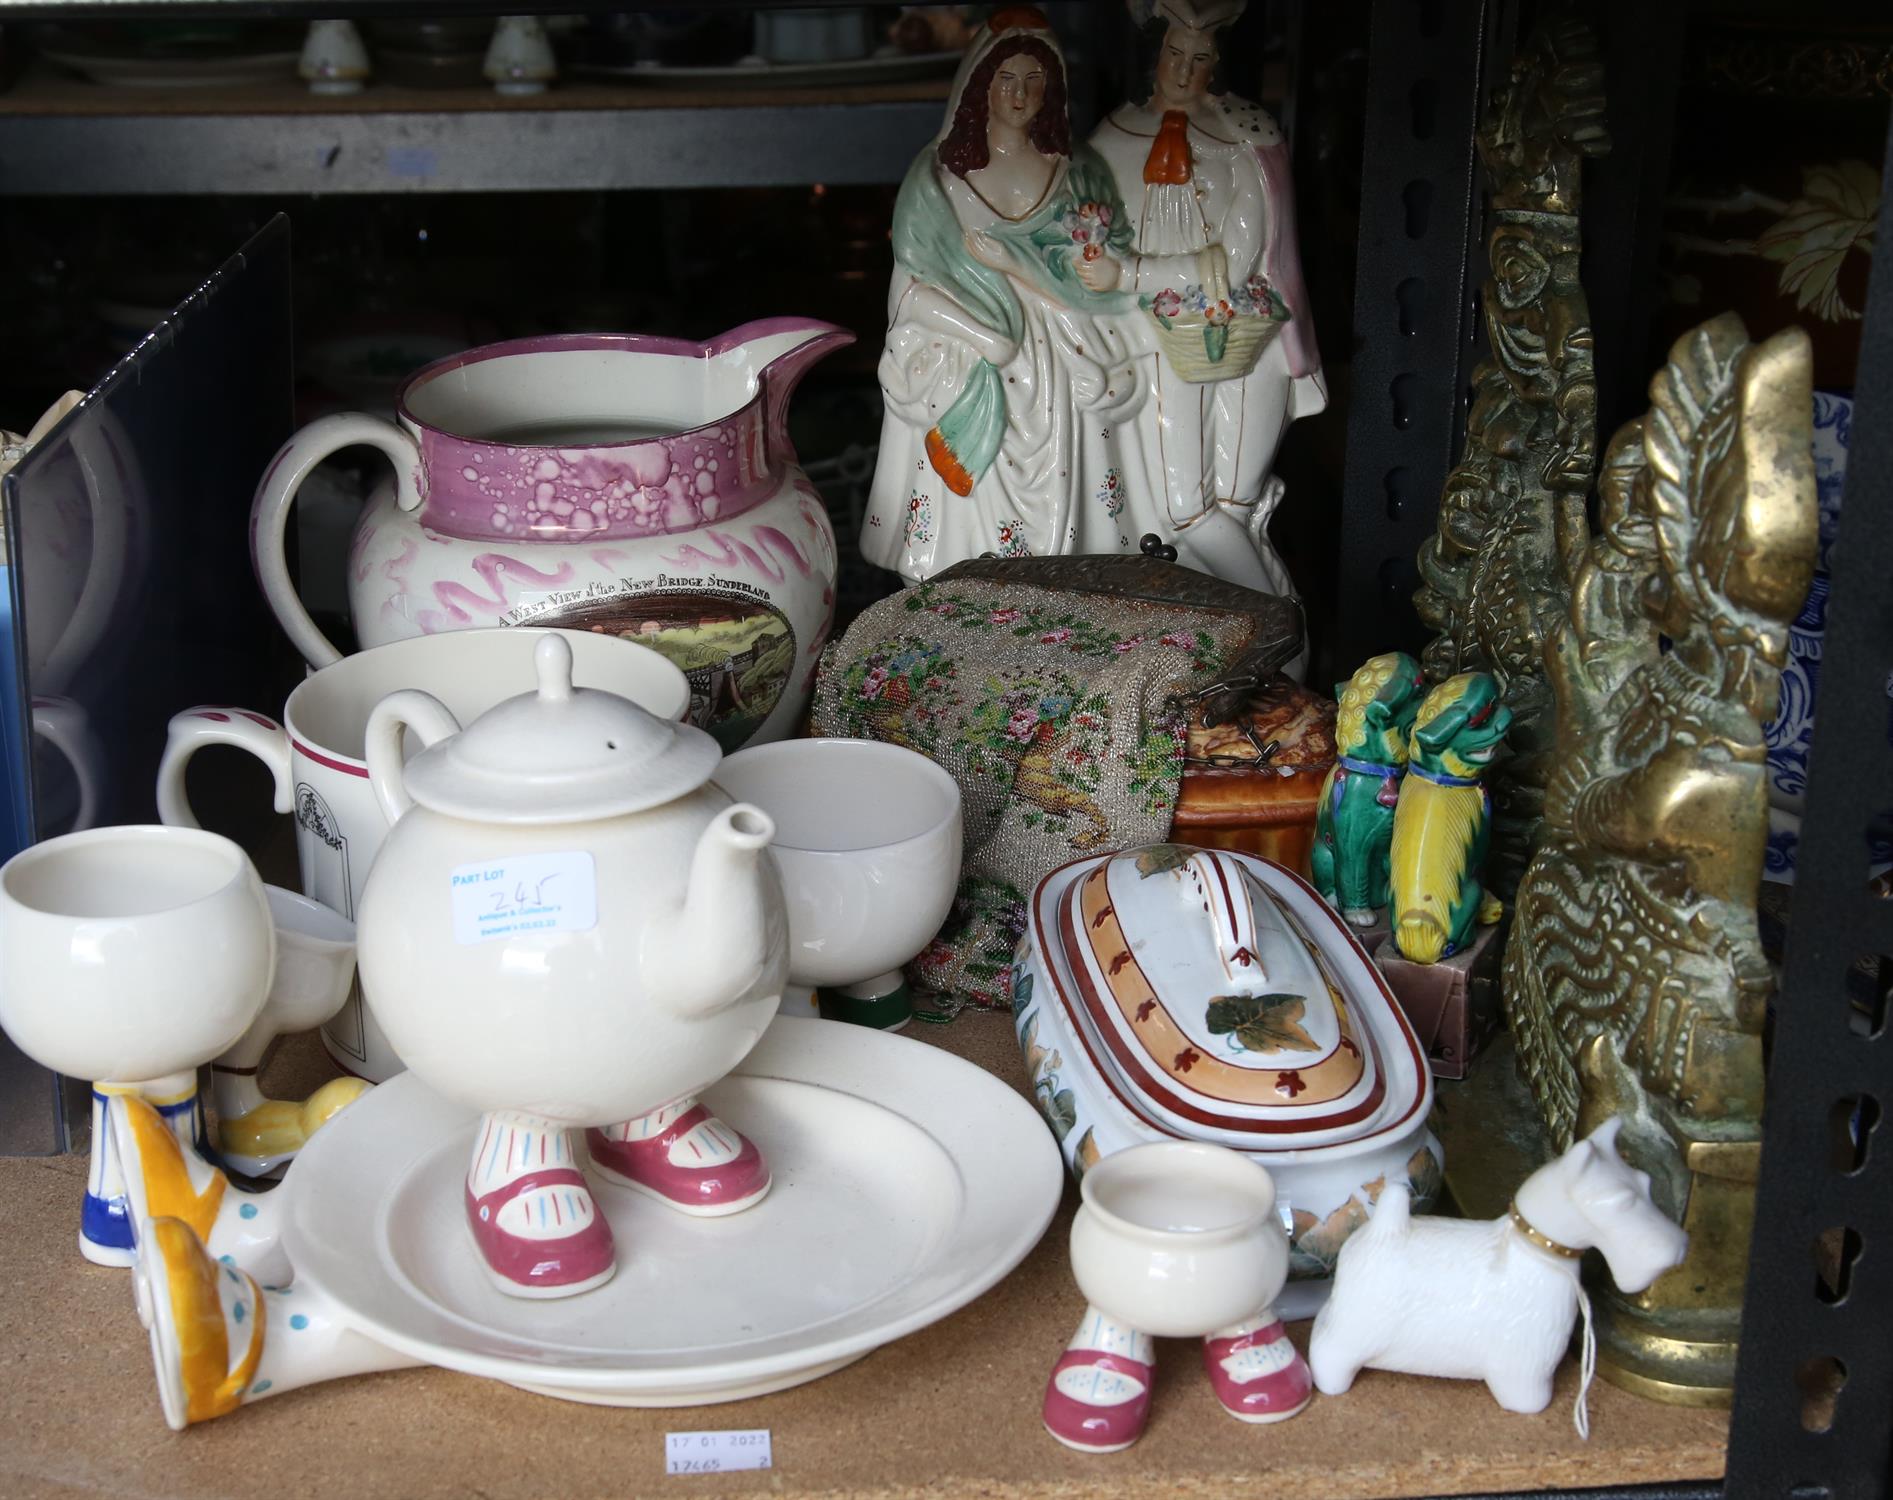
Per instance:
x=570, y=927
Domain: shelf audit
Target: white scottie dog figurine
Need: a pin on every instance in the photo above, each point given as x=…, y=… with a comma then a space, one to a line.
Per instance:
x=1492, y=1300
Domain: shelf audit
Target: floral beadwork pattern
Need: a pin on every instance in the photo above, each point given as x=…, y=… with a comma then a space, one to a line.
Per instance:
x=972, y=958
x=1057, y=716
x=901, y=693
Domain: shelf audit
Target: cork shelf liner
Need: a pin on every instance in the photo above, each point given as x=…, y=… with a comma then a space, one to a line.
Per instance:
x=951, y=1410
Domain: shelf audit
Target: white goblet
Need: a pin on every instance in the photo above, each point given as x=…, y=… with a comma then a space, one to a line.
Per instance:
x=868, y=841
x=131, y=956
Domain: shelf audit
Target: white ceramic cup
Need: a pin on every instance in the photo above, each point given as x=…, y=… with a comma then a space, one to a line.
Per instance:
x=318, y=759
x=868, y=840
x=1178, y=1239
x=129, y=953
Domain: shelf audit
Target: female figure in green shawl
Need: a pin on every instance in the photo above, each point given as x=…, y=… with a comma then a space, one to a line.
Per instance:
x=1008, y=370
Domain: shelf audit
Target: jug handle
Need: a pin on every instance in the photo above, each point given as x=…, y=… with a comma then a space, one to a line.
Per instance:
x=269, y=514
x=784, y=373
x=410, y=708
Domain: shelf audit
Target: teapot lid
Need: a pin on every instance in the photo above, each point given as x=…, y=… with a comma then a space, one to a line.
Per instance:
x=561, y=754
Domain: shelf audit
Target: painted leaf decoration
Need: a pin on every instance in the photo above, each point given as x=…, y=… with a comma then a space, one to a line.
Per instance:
x=1262, y=1023
x=1061, y=1110
x=1835, y=216
x=1158, y=858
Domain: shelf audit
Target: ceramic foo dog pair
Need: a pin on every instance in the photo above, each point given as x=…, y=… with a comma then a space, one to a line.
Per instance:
x=1403, y=820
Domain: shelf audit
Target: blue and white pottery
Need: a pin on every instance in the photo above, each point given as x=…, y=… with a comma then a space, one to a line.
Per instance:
x=1791, y=730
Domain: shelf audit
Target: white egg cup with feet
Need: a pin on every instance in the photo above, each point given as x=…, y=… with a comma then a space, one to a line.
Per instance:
x=1178, y=1239
x=868, y=840
x=131, y=956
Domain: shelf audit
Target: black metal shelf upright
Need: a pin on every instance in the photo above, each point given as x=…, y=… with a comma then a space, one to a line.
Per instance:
x=1814, y=1383
x=1419, y=258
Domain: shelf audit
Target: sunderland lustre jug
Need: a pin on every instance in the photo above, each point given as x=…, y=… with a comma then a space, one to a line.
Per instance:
x=630, y=485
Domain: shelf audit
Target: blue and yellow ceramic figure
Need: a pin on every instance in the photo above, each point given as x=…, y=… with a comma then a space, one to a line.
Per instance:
x=1443, y=822
x=1354, y=824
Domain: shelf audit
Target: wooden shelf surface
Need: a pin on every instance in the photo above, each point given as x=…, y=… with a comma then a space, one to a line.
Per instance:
x=951, y=1410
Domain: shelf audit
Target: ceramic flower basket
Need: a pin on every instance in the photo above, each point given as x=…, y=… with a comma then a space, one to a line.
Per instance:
x=1209, y=333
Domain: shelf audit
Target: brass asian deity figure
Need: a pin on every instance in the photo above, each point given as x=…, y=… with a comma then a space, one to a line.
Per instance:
x=1635, y=981
x=1492, y=581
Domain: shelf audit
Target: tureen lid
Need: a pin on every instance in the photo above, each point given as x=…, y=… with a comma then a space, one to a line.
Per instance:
x=561, y=754
x=1221, y=998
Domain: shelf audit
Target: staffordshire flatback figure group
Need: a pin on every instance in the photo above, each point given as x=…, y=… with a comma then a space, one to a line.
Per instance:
x=1092, y=343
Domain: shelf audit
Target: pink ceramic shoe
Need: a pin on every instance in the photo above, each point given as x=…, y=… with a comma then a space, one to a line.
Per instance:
x=1258, y=1376
x=1097, y=1402
x=520, y=1229
x=697, y=1165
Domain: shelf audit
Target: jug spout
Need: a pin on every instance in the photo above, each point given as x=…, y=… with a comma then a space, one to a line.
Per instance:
x=733, y=930
x=779, y=352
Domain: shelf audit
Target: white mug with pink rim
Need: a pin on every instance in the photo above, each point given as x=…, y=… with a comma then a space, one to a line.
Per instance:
x=317, y=756
x=644, y=487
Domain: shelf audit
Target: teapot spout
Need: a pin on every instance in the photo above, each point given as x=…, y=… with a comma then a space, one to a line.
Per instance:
x=778, y=352
x=731, y=940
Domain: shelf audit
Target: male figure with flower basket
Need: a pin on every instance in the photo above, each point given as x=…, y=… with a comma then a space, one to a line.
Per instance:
x=1234, y=358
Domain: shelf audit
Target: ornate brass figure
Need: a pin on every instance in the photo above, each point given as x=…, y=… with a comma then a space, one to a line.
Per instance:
x=1492, y=582
x=1634, y=980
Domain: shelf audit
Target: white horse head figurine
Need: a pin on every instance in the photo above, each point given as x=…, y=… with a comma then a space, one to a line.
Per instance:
x=1492, y=1300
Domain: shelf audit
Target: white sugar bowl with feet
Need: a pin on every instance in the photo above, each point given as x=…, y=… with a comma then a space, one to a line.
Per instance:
x=1176, y=1239
x=569, y=928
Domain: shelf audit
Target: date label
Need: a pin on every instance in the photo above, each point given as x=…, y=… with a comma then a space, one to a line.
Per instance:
x=716, y=1452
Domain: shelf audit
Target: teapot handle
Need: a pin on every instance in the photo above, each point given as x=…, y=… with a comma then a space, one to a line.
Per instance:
x=409, y=708
x=269, y=513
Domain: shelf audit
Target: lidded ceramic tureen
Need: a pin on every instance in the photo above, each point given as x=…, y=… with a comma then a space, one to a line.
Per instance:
x=1179, y=993
x=570, y=925
x=528, y=924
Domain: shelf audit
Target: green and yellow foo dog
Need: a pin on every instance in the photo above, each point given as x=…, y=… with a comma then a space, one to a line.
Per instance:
x=1354, y=824
x=1442, y=825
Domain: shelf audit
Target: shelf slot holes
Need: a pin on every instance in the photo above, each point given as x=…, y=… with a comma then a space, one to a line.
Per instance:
x=1851, y=1122
x=1398, y=482
x=1410, y=298
x=1397, y=577
x=1418, y=197
x=1879, y=835
x=1404, y=391
x=1835, y=1251
x=1820, y=1381
x=1869, y=987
